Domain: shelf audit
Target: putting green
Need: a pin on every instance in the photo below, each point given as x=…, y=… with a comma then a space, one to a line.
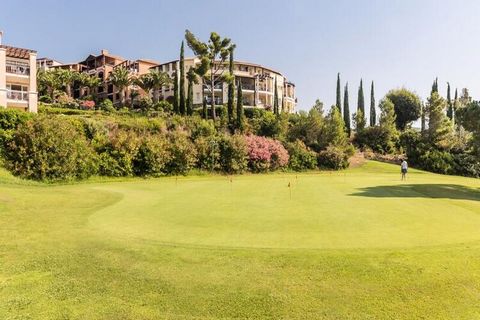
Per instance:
x=366, y=207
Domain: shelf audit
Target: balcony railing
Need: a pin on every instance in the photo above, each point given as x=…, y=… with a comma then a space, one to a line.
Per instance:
x=17, y=95
x=18, y=68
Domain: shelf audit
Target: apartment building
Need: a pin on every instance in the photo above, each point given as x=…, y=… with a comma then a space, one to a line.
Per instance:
x=47, y=63
x=101, y=66
x=258, y=85
x=18, y=80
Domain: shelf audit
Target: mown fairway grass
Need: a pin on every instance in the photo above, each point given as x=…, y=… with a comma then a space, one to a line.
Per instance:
x=358, y=244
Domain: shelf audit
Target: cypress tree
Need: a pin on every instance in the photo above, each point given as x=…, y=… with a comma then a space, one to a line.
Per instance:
x=182, y=80
x=449, y=103
x=275, y=99
x=346, y=111
x=339, y=94
x=231, y=88
x=435, y=86
x=190, y=98
x=373, y=112
x=175, y=92
x=361, y=104
x=204, y=108
x=239, y=107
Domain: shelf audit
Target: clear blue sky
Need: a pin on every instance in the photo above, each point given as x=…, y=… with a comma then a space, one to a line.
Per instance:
x=393, y=42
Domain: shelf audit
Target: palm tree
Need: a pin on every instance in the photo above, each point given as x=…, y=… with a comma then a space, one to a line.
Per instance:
x=159, y=79
x=67, y=78
x=120, y=78
x=89, y=82
x=145, y=82
x=48, y=83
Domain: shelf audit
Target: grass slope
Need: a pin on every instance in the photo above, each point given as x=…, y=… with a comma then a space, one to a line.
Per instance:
x=358, y=244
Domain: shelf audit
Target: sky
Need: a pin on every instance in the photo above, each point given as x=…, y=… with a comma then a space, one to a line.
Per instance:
x=395, y=43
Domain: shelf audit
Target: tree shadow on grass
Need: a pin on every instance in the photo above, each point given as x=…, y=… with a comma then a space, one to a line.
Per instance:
x=433, y=191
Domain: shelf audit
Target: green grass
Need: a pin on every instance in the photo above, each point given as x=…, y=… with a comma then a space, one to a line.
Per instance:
x=358, y=244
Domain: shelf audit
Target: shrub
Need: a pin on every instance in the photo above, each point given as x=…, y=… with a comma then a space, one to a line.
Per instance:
x=233, y=153
x=107, y=105
x=437, y=161
x=152, y=156
x=50, y=149
x=10, y=119
x=183, y=155
x=117, y=154
x=378, y=139
x=333, y=158
x=265, y=154
x=163, y=105
x=208, y=153
x=466, y=165
x=301, y=157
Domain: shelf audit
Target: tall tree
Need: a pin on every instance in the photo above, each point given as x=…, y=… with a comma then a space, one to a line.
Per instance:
x=388, y=122
x=435, y=85
x=339, y=94
x=231, y=87
x=176, y=103
x=361, y=98
x=275, y=99
x=240, y=115
x=158, y=80
x=120, y=78
x=373, y=112
x=360, y=115
x=192, y=78
x=423, y=120
x=439, y=127
x=407, y=106
x=346, y=111
x=449, y=103
x=212, y=61
x=182, y=80
x=204, y=108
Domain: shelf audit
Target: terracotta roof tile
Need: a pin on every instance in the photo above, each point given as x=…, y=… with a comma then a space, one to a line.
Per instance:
x=14, y=52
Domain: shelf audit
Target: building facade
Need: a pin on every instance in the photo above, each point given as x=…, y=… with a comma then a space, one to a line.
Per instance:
x=18, y=78
x=101, y=66
x=258, y=85
x=47, y=63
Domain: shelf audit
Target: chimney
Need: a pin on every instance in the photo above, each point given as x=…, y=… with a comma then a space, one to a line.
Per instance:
x=104, y=51
x=1, y=36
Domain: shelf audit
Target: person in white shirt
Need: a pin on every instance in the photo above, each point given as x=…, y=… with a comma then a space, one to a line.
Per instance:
x=404, y=167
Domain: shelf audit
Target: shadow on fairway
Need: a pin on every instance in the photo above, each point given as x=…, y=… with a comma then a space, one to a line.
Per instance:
x=433, y=191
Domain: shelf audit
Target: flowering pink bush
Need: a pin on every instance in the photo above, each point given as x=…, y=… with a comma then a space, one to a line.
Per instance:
x=265, y=154
x=88, y=104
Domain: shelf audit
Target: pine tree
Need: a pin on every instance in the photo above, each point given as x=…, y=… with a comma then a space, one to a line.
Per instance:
x=346, y=111
x=339, y=94
x=373, y=112
x=275, y=99
x=240, y=116
x=175, y=93
x=335, y=129
x=182, y=80
x=449, y=103
x=439, y=127
x=360, y=115
x=231, y=87
x=388, y=122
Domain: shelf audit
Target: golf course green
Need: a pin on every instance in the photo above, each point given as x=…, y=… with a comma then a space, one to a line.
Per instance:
x=354, y=244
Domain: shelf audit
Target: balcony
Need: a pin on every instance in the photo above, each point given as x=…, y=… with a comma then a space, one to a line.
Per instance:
x=18, y=68
x=16, y=95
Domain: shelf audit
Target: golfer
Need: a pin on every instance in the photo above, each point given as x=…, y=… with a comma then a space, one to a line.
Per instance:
x=404, y=168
